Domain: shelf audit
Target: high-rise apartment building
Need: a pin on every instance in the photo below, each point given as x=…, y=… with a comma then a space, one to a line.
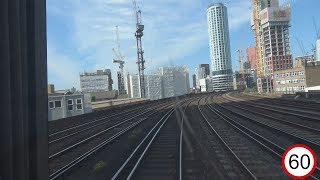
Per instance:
x=252, y=56
x=219, y=43
x=96, y=81
x=200, y=73
x=194, y=80
x=121, y=83
x=206, y=69
x=275, y=39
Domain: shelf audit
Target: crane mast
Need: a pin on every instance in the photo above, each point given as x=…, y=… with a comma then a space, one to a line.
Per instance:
x=140, y=52
x=257, y=35
x=119, y=59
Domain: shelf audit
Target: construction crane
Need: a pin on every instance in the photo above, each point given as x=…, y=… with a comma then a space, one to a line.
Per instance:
x=140, y=52
x=314, y=46
x=119, y=59
x=257, y=35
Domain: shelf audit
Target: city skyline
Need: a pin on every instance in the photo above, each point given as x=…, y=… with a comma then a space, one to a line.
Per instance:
x=83, y=38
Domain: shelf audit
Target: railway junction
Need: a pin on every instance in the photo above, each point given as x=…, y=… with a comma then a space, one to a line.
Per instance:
x=203, y=136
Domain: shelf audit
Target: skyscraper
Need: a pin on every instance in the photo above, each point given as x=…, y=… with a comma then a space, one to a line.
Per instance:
x=206, y=69
x=270, y=23
x=219, y=43
x=275, y=23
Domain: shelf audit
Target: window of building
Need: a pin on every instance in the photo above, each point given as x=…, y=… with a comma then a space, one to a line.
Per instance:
x=57, y=104
x=79, y=103
x=70, y=104
x=51, y=104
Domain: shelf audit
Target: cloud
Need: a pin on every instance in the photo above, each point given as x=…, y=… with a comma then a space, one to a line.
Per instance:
x=174, y=29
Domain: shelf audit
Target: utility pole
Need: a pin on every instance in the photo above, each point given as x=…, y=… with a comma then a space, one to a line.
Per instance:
x=140, y=59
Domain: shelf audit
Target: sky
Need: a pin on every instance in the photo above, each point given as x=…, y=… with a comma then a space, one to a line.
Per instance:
x=81, y=34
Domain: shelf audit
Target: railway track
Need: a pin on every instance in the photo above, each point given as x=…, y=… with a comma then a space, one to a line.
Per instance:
x=158, y=156
x=313, y=126
x=249, y=158
x=291, y=105
x=301, y=135
x=195, y=137
x=61, y=134
x=70, y=141
x=64, y=160
x=271, y=138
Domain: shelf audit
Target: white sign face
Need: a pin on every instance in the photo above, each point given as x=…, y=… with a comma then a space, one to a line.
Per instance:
x=299, y=161
x=275, y=14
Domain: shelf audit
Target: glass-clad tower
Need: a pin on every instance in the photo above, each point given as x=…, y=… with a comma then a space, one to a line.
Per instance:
x=219, y=43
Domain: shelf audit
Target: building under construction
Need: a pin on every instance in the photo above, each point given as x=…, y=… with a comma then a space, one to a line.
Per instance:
x=168, y=82
x=270, y=23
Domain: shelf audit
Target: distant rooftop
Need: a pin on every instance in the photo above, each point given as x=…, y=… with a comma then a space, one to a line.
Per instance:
x=99, y=72
x=216, y=4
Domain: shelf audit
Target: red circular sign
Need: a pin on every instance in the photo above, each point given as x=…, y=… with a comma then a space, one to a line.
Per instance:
x=299, y=161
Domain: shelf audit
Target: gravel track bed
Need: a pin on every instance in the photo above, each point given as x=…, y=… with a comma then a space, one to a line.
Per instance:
x=56, y=163
x=257, y=160
x=298, y=105
x=290, y=118
x=217, y=161
x=60, y=145
x=107, y=160
x=278, y=138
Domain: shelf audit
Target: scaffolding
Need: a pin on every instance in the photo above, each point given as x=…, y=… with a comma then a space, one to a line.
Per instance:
x=256, y=26
x=175, y=80
x=154, y=87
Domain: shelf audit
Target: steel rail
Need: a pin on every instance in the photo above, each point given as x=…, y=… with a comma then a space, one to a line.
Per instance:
x=276, y=119
x=100, y=133
x=94, y=121
x=93, y=150
x=147, y=148
x=273, y=148
x=96, y=125
x=226, y=146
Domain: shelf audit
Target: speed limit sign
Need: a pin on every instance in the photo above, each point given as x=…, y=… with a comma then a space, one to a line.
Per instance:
x=299, y=161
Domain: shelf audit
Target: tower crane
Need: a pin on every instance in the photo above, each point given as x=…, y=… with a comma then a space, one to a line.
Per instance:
x=140, y=52
x=119, y=59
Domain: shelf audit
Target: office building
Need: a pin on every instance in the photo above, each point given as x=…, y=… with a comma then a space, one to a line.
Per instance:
x=134, y=86
x=121, y=83
x=200, y=73
x=298, y=79
x=194, y=80
x=168, y=82
x=154, y=86
x=175, y=81
x=206, y=69
x=96, y=81
x=219, y=43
